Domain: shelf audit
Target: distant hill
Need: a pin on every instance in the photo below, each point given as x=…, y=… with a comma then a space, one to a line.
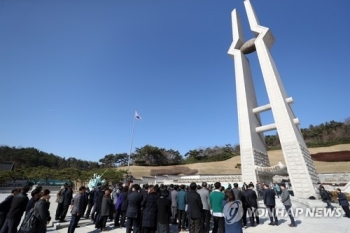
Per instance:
x=228, y=166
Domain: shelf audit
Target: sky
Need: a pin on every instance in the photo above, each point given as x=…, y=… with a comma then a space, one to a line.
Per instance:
x=72, y=73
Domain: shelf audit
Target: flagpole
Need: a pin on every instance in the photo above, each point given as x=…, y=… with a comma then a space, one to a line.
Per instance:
x=132, y=139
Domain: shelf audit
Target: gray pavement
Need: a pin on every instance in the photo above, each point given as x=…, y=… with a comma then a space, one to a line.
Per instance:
x=305, y=224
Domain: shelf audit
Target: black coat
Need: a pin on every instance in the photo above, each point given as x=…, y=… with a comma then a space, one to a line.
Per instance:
x=124, y=201
x=68, y=196
x=149, y=213
x=100, y=195
x=30, y=204
x=195, y=205
x=91, y=197
x=134, y=201
x=18, y=206
x=343, y=201
x=251, y=198
x=43, y=210
x=5, y=205
x=324, y=195
x=269, y=197
x=164, y=210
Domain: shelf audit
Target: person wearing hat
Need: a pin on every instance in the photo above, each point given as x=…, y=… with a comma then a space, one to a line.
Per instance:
x=285, y=198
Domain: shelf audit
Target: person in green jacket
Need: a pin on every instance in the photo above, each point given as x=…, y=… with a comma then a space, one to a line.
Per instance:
x=216, y=199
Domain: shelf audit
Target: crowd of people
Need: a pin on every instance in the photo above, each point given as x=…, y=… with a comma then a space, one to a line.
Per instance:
x=152, y=208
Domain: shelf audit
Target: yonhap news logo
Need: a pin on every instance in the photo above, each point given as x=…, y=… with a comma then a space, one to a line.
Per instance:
x=317, y=212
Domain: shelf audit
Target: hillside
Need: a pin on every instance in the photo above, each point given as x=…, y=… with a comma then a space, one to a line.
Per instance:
x=275, y=156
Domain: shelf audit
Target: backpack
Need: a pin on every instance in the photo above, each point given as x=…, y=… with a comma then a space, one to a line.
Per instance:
x=31, y=221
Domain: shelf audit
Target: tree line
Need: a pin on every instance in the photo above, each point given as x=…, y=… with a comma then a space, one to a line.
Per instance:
x=325, y=134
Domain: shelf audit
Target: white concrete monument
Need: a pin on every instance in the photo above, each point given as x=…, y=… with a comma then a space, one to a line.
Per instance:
x=301, y=169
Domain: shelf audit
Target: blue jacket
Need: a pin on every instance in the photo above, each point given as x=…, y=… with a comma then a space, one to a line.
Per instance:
x=181, y=199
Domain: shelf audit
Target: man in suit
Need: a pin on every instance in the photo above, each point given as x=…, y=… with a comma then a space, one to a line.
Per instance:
x=17, y=208
x=133, y=211
x=5, y=206
x=77, y=209
x=287, y=204
x=252, y=205
x=204, y=194
x=195, y=208
x=343, y=202
x=67, y=199
x=270, y=203
x=173, y=194
x=236, y=192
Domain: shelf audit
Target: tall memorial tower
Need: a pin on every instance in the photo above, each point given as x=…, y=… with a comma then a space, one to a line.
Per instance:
x=301, y=169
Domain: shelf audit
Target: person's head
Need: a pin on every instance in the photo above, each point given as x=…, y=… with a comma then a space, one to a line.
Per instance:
x=25, y=189
x=266, y=186
x=229, y=195
x=151, y=189
x=135, y=187
x=217, y=185
x=182, y=187
x=164, y=193
x=65, y=185
x=204, y=185
x=222, y=188
x=14, y=191
x=235, y=185
x=126, y=189
x=250, y=186
x=145, y=186
x=338, y=190
x=193, y=186
x=282, y=186
x=36, y=194
x=107, y=193
x=171, y=186
x=82, y=189
x=45, y=195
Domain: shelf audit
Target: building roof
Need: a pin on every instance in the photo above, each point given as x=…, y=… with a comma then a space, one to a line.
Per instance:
x=6, y=166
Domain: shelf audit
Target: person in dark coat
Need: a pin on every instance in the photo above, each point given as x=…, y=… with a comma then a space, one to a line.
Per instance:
x=35, y=197
x=251, y=201
x=149, y=214
x=326, y=197
x=100, y=194
x=343, y=202
x=43, y=205
x=104, y=210
x=68, y=196
x=164, y=212
x=17, y=208
x=195, y=208
x=90, y=203
x=133, y=211
x=124, y=205
x=270, y=203
x=5, y=206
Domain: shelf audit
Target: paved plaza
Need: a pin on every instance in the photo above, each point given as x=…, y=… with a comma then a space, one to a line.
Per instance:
x=304, y=224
